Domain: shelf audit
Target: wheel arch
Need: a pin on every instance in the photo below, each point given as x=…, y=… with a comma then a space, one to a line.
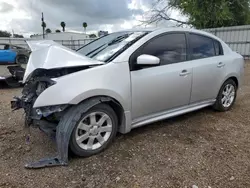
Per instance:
x=232, y=77
x=235, y=80
x=113, y=103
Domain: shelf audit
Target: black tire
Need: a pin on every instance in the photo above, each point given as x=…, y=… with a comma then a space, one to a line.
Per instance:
x=218, y=104
x=21, y=59
x=74, y=147
x=12, y=82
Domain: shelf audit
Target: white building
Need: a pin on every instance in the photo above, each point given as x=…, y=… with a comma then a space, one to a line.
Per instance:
x=62, y=36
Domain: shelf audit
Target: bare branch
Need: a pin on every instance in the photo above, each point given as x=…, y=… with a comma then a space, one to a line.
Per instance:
x=157, y=14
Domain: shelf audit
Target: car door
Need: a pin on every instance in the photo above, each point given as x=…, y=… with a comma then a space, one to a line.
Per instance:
x=208, y=67
x=166, y=86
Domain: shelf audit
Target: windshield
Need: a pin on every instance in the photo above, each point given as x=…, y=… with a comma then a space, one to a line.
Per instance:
x=104, y=48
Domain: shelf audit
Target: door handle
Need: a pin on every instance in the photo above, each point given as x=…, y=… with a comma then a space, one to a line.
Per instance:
x=184, y=73
x=220, y=64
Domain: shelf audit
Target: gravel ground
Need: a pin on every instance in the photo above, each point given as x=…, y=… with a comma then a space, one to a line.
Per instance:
x=203, y=148
x=3, y=70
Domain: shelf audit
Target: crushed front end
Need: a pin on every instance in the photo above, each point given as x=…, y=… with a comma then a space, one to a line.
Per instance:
x=44, y=118
x=37, y=117
x=48, y=63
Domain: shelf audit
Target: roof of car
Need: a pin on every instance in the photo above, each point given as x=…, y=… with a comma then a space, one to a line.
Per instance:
x=164, y=29
x=169, y=29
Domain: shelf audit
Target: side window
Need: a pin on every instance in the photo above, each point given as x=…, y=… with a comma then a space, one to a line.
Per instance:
x=218, y=48
x=1, y=46
x=201, y=46
x=170, y=48
x=6, y=47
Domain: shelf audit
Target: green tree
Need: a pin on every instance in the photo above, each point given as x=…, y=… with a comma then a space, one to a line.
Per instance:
x=48, y=30
x=203, y=13
x=85, y=25
x=58, y=31
x=4, y=34
x=63, y=25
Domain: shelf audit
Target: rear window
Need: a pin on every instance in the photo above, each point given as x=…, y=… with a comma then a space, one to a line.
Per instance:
x=218, y=48
x=201, y=46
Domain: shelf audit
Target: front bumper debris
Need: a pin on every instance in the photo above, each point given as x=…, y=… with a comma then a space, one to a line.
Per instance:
x=16, y=103
x=47, y=162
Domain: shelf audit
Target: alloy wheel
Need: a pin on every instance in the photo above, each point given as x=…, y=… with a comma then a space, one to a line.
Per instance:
x=93, y=130
x=228, y=95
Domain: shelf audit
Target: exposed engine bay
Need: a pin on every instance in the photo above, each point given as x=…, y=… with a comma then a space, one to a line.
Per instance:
x=39, y=81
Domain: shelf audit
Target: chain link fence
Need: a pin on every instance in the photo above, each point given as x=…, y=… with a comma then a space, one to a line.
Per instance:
x=237, y=37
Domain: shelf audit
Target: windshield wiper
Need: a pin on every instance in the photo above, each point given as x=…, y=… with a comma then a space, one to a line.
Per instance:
x=114, y=41
x=95, y=50
x=118, y=39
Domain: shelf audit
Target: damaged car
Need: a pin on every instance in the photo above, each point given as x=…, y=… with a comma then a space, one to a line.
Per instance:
x=122, y=81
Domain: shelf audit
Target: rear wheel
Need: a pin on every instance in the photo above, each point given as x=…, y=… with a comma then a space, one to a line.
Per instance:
x=94, y=131
x=226, y=97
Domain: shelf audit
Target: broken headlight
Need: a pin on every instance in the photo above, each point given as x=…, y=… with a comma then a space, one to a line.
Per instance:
x=41, y=86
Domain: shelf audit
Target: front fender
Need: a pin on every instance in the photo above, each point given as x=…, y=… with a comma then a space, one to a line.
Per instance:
x=52, y=96
x=97, y=81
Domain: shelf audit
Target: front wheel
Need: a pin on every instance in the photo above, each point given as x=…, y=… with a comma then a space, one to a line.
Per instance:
x=94, y=131
x=226, y=96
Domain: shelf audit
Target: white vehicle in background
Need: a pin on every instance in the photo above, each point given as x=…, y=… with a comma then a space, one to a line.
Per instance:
x=122, y=81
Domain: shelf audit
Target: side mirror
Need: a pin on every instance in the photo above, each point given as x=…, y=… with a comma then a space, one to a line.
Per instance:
x=147, y=60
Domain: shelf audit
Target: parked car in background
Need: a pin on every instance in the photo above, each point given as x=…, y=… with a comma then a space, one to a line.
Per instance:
x=122, y=81
x=11, y=54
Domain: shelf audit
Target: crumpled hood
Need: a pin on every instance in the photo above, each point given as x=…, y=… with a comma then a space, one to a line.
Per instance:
x=47, y=54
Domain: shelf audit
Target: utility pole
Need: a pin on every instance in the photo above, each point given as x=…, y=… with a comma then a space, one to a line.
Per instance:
x=42, y=24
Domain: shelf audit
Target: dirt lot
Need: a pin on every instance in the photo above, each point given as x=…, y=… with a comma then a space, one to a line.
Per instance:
x=204, y=148
x=3, y=70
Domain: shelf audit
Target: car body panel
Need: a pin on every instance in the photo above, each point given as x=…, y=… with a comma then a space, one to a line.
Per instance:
x=160, y=88
x=103, y=80
x=170, y=113
x=49, y=55
x=206, y=78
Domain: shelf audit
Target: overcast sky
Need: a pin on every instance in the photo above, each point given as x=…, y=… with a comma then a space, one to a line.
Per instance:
x=24, y=16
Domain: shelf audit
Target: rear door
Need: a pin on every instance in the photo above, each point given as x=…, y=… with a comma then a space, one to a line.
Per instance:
x=208, y=66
